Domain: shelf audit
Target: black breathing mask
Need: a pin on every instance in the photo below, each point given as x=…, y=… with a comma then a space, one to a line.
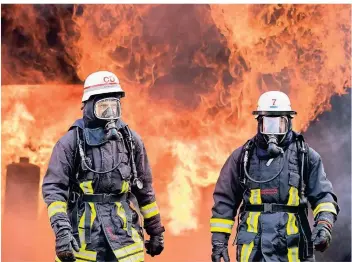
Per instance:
x=274, y=129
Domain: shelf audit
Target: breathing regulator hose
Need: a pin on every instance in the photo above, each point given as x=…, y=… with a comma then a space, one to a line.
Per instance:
x=245, y=162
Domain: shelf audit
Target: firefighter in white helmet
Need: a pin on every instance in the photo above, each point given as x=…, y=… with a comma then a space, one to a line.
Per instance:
x=98, y=186
x=273, y=175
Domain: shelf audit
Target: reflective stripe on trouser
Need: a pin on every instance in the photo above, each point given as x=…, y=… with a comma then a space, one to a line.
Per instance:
x=252, y=224
x=292, y=254
x=246, y=251
x=57, y=207
x=253, y=217
x=150, y=210
x=325, y=206
x=83, y=254
x=221, y=225
x=133, y=252
x=291, y=227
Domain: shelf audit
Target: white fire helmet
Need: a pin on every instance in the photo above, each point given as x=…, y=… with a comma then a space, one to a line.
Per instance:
x=274, y=103
x=101, y=82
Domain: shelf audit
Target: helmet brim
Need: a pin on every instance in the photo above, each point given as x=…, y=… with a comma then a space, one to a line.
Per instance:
x=274, y=113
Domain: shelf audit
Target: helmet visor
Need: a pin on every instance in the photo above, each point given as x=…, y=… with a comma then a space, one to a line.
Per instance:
x=273, y=125
x=107, y=109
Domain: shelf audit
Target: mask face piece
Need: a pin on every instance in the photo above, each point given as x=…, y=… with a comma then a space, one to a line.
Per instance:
x=277, y=125
x=107, y=109
x=274, y=129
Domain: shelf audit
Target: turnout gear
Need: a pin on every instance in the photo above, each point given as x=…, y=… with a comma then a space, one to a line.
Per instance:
x=155, y=245
x=274, y=191
x=89, y=190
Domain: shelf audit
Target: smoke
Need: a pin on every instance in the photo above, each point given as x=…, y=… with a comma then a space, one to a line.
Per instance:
x=192, y=74
x=330, y=136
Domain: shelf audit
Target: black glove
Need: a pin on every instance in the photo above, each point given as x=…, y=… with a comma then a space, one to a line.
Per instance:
x=321, y=235
x=65, y=243
x=219, y=251
x=155, y=245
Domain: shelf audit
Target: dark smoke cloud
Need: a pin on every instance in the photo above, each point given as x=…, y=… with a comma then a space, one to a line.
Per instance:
x=330, y=136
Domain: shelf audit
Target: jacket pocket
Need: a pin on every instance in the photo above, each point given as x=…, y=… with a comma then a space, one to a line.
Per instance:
x=246, y=242
x=294, y=179
x=244, y=237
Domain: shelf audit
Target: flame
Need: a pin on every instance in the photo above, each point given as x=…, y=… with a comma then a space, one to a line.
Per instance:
x=192, y=74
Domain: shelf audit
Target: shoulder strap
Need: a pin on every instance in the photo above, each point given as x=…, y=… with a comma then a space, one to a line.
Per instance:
x=247, y=147
x=303, y=157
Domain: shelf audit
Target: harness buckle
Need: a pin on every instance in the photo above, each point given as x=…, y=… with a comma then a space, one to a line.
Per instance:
x=268, y=207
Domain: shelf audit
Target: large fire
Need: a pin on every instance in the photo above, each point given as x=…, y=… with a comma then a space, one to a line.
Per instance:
x=192, y=74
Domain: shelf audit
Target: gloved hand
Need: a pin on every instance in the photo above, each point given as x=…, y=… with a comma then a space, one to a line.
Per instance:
x=219, y=251
x=321, y=235
x=155, y=245
x=65, y=243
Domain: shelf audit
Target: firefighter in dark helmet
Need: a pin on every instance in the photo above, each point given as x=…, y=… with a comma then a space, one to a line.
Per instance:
x=275, y=174
x=98, y=186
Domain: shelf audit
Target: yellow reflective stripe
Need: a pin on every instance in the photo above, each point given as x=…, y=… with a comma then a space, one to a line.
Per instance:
x=122, y=214
x=124, y=187
x=222, y=221
x=128, y=250
x=135, y=236
x=255, y=197
x=293, y=199
x=86, y=255
x=83, y=254
x=291, y=227
x=325, y=206
x=221, y=225
x=246, y=252
x=134, y=258
x=220, y=229
x=252, y=222
x=57, y=207
x=150, y=210
x=87, y=187
x=292, y=254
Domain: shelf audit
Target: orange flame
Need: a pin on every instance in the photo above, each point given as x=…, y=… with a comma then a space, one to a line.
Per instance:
x=192, y=75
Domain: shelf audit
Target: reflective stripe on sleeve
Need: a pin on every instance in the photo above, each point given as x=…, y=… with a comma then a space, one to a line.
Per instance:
x=292, y=254
x=57, y=207
x=150, y=210
x=221, y=225
x=246, y=252
x=325, y=206
x=293, y=198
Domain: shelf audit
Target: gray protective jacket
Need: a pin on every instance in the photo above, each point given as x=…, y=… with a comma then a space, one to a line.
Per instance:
x=117, y=224
x=269, y=236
